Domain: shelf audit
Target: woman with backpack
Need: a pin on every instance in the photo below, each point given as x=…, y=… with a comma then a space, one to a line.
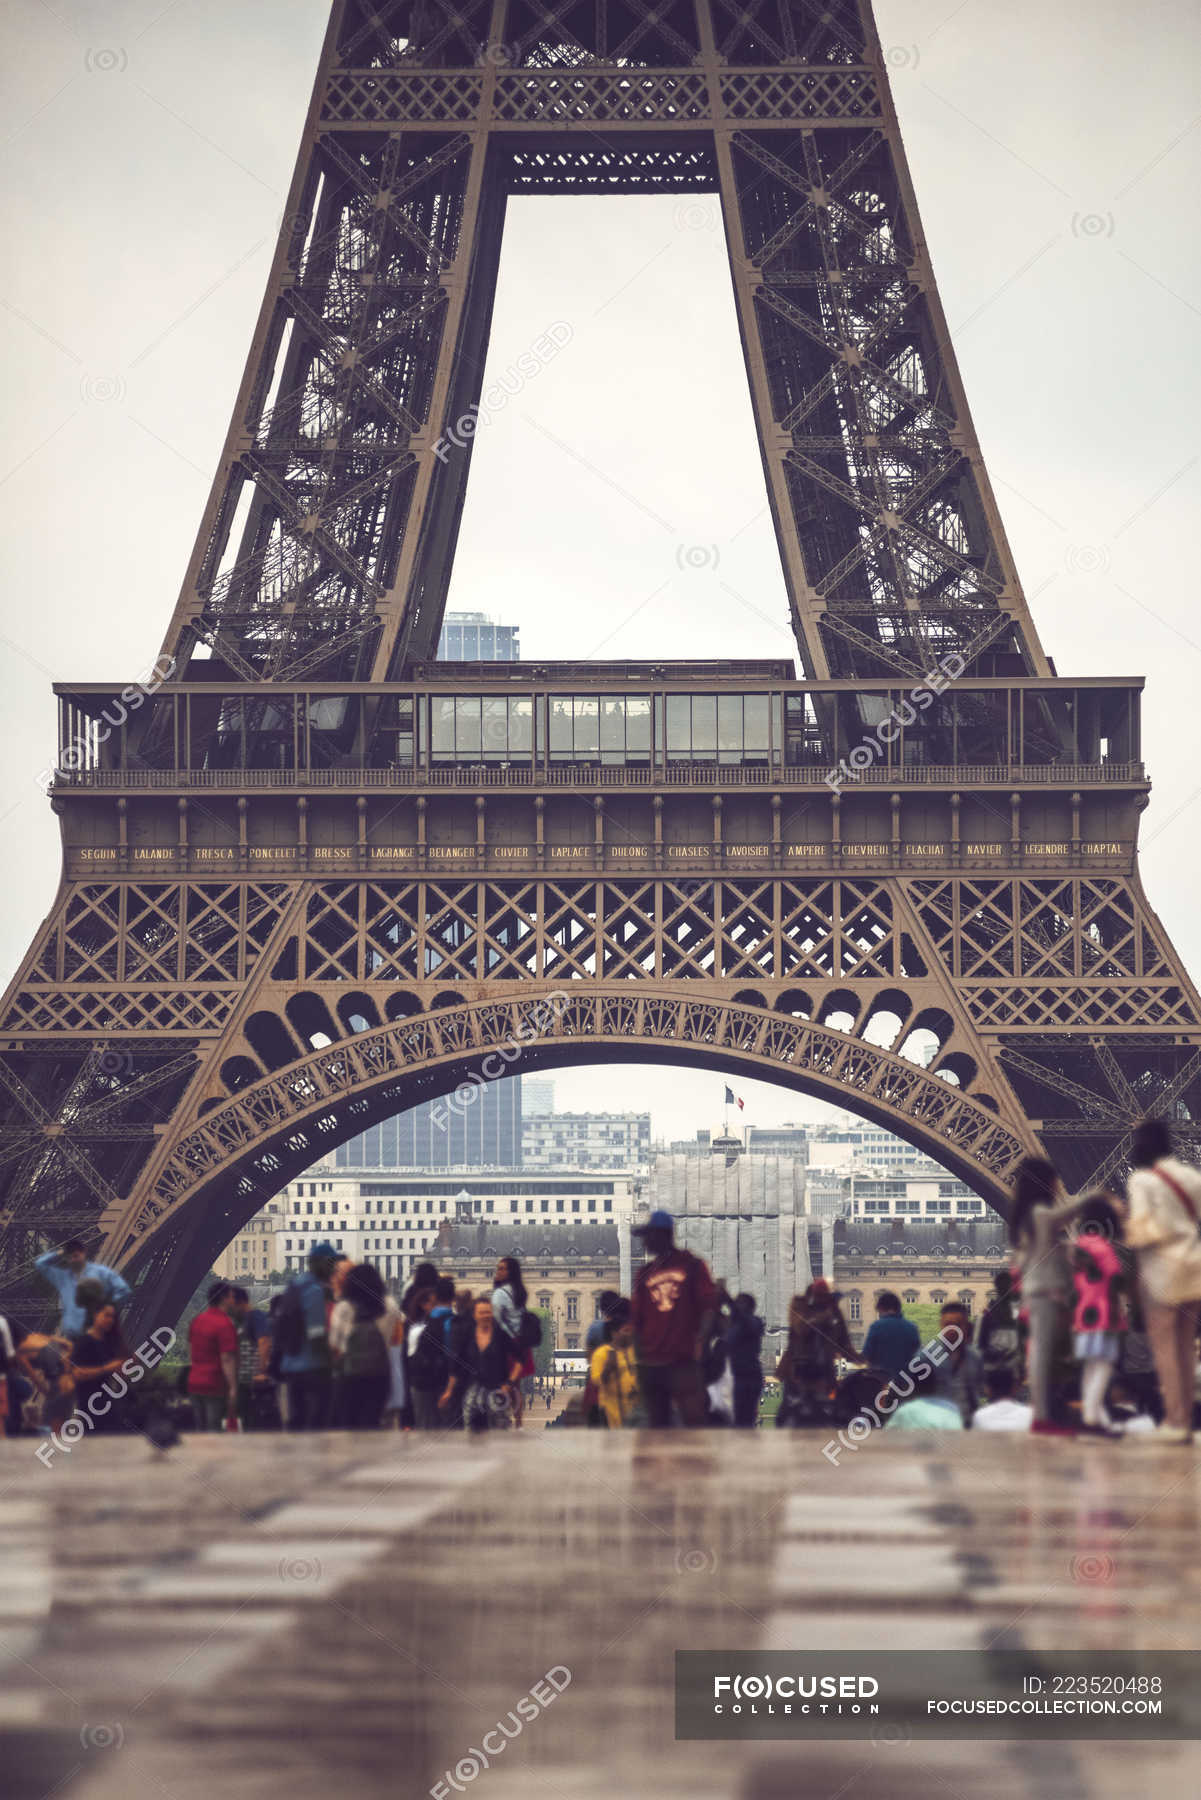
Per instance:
x=511, y=1312
x=363, y=1325
x=1164, y=1197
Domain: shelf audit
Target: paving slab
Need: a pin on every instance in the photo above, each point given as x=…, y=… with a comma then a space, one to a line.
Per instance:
x=257, y=1616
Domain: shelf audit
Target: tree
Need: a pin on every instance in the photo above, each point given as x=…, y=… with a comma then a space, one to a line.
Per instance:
x=925, y=1314
x=544, y=1355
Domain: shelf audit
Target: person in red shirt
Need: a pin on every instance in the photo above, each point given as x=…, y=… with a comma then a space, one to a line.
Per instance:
x=213, y=1377
x=672, y=1309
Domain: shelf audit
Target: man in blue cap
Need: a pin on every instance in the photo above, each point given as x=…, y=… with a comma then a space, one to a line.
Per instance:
x=64, y=1269
x=672, y=1309
x=301, y=1351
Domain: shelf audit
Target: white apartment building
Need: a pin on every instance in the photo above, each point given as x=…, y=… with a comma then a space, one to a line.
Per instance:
x=928, y=1193
x=585, y=1140
x=863, y=1146
x=391, y=1217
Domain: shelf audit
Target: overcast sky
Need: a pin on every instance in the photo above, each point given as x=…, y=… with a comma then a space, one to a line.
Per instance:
x=1057, y=156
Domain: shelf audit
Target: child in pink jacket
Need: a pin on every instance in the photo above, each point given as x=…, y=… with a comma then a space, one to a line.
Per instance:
x=1099, y=1320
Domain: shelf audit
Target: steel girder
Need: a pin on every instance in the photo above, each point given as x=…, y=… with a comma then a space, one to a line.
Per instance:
x=161, y=1053
x=327, y=544
x=173, y=1050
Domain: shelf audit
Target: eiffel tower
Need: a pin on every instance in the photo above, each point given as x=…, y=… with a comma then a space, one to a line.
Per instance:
x=312, y=876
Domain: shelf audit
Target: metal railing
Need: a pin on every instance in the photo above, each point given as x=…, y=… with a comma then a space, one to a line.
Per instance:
x=472, y=777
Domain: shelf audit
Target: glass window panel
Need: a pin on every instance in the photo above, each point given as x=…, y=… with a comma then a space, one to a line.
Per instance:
x=442, y=726
x=729, y=722
x=587, y=727
x=704, y=724
x=755, y=721
x=873, y=709
x=496, y=727
x=467, y=725
x=638, y=725
x=612, y=724
x=560, y=726
x=327, y=713
x=679, y=725
x=270, y=715
x=521, y=726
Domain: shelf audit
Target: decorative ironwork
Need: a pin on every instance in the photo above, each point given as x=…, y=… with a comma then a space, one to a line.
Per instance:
x=251, y=960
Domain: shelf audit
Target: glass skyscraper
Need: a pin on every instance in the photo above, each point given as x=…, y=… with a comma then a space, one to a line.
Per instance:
x=447, y=1134
x=474, y=637
x=484, y=1132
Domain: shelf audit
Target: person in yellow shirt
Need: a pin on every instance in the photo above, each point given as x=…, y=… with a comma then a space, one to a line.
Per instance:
x=613, y=1373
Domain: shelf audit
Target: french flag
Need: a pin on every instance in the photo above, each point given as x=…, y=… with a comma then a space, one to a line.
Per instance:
x=733, y=1099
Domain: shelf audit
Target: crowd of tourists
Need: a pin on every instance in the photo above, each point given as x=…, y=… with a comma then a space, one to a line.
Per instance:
x=337, y=1351
x=333, y=1350
x=1091, y=1328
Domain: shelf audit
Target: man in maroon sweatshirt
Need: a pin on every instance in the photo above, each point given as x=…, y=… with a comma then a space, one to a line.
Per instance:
x=674, y=1302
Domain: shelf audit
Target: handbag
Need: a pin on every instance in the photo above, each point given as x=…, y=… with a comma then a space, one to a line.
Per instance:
x=1171, y=1266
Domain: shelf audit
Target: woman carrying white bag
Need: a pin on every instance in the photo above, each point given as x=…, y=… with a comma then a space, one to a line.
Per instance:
x=1164, y=1228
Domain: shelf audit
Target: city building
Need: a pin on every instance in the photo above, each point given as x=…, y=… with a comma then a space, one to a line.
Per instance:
x=929, y=1193
x=391, y=1217
x=474, y=637
x=565, y=1267
x=251, y=1255
x=478, y=1126
x=537, y=1095
x=921, y=1260
x=745, y=1217
x=827, y=1192
x=858, y=1141
x=702, y=1142
x=585, y=1140
x=780, y=1140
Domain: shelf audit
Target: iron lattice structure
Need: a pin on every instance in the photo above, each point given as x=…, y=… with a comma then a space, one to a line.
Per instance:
x=315, y=876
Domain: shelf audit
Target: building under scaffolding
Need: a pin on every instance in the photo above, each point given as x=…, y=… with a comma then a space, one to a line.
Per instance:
x=746, y=1218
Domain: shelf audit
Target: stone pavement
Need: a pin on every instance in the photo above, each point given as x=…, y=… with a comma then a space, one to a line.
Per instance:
x=350, y=1614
